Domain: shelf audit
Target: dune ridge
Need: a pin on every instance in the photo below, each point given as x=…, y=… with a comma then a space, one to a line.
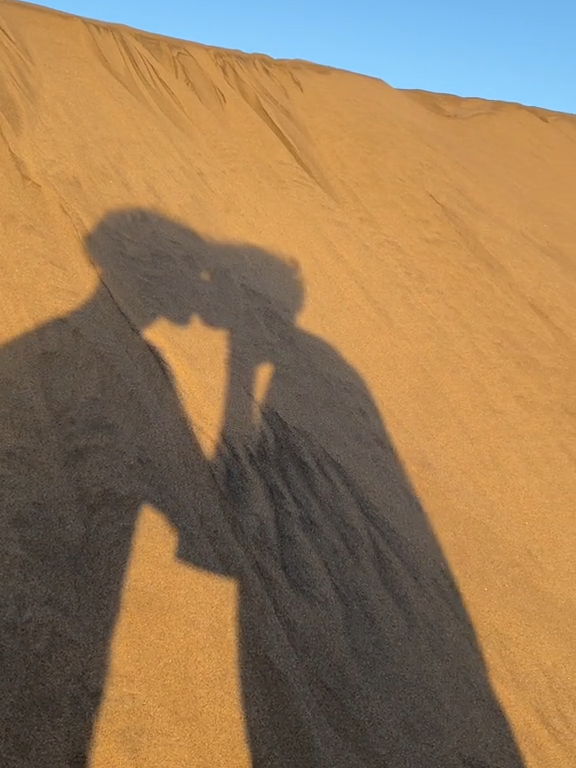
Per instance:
x=436, y=242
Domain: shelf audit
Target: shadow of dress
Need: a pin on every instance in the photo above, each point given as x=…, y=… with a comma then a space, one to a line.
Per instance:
x=356, y=647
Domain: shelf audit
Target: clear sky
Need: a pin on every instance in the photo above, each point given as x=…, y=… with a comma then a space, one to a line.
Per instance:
x=514, y=50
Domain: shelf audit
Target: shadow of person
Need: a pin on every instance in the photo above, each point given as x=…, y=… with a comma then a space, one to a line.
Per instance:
x=356, y=649
x=91, y=428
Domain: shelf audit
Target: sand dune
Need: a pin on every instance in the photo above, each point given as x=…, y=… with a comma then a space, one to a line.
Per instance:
x=287, y=413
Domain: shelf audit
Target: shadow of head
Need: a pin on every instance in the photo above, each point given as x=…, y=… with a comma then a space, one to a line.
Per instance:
x=144, y=260
x=156, y=267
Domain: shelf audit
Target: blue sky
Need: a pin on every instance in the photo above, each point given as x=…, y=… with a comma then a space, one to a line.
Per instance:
x=495, y=49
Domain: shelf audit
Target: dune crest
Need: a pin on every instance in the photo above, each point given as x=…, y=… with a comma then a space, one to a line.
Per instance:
x=403, y=265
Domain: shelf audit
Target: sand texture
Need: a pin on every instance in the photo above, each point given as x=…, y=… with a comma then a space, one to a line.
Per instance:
x=287, y=413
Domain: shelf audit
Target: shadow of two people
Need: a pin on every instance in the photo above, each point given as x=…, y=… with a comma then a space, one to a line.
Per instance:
x=356, y=649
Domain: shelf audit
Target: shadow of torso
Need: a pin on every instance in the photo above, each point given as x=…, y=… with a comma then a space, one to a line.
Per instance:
x=91, y=428
x=356, y=647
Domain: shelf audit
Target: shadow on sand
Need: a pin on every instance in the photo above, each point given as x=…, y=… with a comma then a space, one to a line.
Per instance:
x=356, y=650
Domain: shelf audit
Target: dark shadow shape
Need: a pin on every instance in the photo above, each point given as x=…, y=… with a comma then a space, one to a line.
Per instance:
x=356, y=649
x=91, y=428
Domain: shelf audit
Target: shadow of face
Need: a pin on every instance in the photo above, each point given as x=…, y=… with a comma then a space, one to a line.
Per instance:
x=150, y=265
x=220, y=302
x=155, y=267
x=176, y=295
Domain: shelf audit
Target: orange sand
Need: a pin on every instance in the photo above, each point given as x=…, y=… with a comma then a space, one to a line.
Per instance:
x=436, y=237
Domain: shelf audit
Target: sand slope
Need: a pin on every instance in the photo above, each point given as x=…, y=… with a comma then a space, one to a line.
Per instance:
x=424, y=398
